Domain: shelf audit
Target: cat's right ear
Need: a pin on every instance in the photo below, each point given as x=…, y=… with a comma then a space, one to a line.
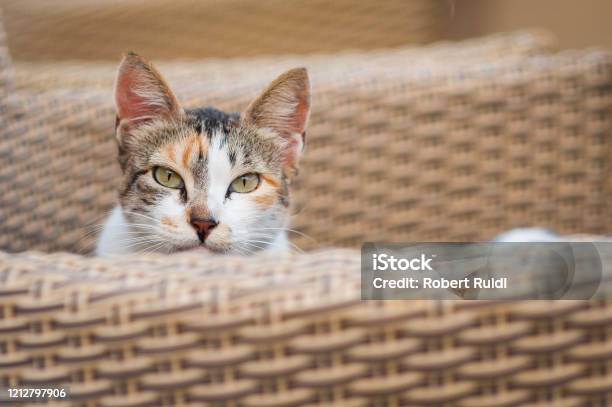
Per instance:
x=141, y=94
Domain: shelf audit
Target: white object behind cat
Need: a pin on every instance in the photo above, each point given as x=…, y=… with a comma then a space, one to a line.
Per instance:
x=527, y=235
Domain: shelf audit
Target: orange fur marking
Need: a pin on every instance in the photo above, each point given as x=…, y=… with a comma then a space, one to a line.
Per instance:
x=270, y=180
x=267, y=199
x=202, y=148
x=170, y=152
x=187, y=153
x=167, y=221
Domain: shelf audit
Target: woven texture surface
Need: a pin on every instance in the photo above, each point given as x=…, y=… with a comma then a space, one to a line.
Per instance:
x=284, y=331
x=102, y=30
x=441, y=149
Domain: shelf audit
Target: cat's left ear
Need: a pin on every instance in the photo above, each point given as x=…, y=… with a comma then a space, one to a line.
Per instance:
x=284, y=108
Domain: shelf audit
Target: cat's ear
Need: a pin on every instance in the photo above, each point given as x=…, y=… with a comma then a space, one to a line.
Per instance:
x=284, y=108
x=141, y=94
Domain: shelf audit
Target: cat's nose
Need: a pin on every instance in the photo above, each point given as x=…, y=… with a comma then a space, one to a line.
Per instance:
x=203, y=227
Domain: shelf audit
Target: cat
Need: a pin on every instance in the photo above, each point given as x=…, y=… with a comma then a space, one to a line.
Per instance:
x=201, y=179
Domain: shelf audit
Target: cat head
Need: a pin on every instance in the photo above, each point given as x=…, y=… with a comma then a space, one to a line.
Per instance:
x=201, y=178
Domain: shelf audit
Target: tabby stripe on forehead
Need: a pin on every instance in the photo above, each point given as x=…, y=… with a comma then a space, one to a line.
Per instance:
x=197, y=126
x=223, y=141
x=232, y=157
x=200, y=148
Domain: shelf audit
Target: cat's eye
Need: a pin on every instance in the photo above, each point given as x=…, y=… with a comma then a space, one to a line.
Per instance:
x=168, y=178
x=245, y=183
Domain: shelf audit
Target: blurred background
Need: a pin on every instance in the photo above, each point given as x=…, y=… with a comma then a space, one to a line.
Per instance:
x=103, y=29
x=503, y=122
x=575, y=24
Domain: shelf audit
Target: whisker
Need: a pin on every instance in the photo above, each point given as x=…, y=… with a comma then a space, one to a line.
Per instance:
x=254, y=245
x=154, y=247
x=297, y=232
x=243, y=251
x=141, y=215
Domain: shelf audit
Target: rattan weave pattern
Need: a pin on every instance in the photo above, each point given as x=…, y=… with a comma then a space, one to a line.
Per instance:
x=103, y=29
x=436, y=152
x=288, y=330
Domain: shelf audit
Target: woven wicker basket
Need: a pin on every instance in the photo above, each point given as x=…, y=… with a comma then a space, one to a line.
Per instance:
x=448, y=150
x=290, y=331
